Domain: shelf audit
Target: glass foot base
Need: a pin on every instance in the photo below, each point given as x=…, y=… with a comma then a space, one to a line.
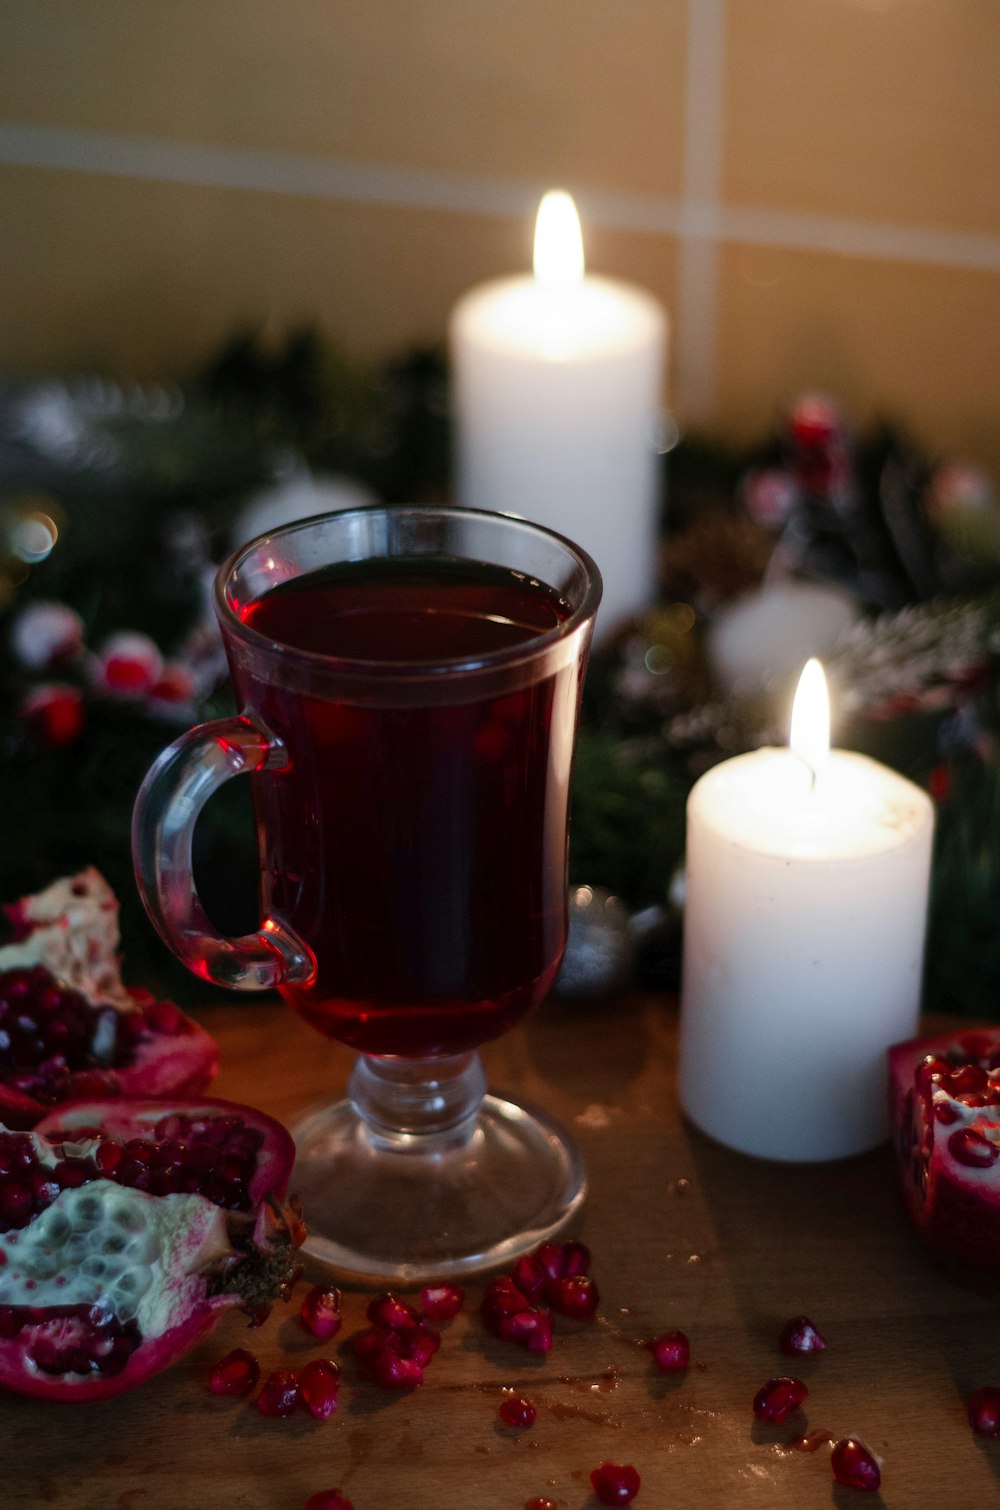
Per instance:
x=413, y=1216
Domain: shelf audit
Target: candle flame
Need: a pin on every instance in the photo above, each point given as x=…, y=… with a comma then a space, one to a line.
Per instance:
x=810, y=732
x=558, y=242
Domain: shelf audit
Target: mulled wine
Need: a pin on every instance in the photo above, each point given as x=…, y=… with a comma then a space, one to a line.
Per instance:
x=418, y=849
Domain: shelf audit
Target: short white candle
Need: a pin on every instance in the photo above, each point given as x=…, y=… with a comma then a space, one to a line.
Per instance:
x=804, y=928
x=558, y=393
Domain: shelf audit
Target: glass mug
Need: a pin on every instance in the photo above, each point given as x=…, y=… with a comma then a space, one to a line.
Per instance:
x=411, y=817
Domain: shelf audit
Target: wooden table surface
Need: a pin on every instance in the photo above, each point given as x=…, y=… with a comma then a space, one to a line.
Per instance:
x=683, y=1234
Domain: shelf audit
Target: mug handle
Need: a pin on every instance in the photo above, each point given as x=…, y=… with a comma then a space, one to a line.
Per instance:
x=175, y=790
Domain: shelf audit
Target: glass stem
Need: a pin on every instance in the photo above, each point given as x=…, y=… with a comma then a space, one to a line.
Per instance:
x=418, y=1106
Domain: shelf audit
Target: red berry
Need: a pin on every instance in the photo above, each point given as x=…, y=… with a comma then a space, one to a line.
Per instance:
x=328, y=1499
x=279, y=1395
x=320, y=1312
x=855, y=1466
x=441, y=1302
x=235, y=1374
x=319, y=1384
x=800, y=1336
x=778, y=1398
x=984, y=1412
x=515, y=1411
x=615, y=1483
x=671, y=1352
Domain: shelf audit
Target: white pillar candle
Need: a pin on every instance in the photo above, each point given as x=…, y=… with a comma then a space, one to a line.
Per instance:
x=558, y=393
x=804, y=927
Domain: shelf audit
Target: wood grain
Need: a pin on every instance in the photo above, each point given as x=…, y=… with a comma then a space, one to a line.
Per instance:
x=728, y=1255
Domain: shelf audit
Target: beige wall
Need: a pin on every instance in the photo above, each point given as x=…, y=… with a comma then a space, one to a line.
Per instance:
x=810, y=186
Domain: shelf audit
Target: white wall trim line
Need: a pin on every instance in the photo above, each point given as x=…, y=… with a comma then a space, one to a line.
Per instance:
x=79, y=151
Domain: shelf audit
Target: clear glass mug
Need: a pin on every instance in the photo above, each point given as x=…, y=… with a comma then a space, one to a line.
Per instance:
x=412, y=833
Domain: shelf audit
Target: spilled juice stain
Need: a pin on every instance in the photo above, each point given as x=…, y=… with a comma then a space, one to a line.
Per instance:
x=540, y=1504
x=811, y=1442
x=678, y=1187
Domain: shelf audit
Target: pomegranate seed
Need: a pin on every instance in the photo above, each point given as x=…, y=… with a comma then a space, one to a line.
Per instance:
x=576, y=1259
x=441, y=1302
x=235, y=1374
x=778, y=1398
x=279, y=1395
x=615, y=1483
x=319, y=1384
x=419, y=1344
x=320, y=1312
x=373, y=1342
x=529, y=1276
x=389, y=1310
x=967, y=1078
x=984, y=1412
x=574, y=1295
x=394, y=1372
x=328, y=1499
x=800, y=1336
x=516, y=1411
x=946, y=1113
x=855, y=1466
x=501, y=1298
x=969, y=1146
x=530, y=1328
x=551, y=1258
x=671, y=1352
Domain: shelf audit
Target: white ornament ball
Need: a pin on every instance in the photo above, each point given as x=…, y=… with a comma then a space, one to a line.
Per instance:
x=299, y=496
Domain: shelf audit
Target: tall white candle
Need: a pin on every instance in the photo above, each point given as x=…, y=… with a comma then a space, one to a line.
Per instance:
x=804, y=928
x=558, y=392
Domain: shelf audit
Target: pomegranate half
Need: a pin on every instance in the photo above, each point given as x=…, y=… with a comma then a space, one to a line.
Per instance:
x=945, y=1110
x=68, y=1025
x=126, y=1229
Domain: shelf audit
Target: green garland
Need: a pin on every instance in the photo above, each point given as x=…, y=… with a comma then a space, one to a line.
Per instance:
x=149, y=469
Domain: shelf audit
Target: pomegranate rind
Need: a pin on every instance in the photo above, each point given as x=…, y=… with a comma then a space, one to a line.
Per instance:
x=71, y=930
x=272, y=1242
x=953, y=1205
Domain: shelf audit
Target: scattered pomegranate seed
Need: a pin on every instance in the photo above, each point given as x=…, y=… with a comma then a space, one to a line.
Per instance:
x=516, y=1411
x=984, y=1412
x=389, y=1310
x=419, y=1344
x=855, y=1466
x=235, y=1374
x=576, y=1259
x=529, y=1276
x=279, y=1395
x=319, y=1385
x=573, y=1295
x=778, y=1398
x=328, y=1499
x=800, y=1336
x=530, y=1328
x=320, y=1312
x=501, y=1298
x=671, y=1352
x=615, y=1483
x=550, y=1257
x=441, y=1302
x=394, y=1372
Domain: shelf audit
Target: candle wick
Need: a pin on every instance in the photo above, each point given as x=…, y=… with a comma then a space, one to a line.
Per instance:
x=809, y=767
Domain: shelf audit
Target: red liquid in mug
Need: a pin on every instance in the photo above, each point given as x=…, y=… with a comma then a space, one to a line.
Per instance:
x=421, y=852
